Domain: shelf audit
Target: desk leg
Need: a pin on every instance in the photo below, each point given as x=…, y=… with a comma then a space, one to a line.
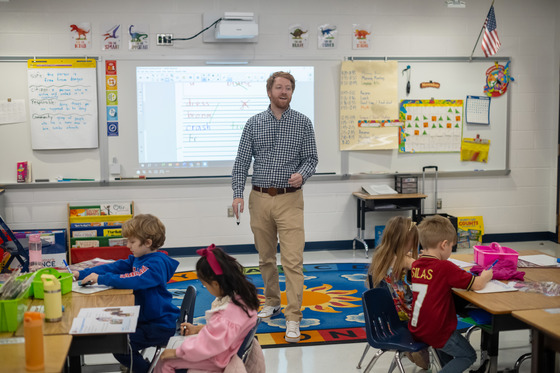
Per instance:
x=543, y=359
x=491, y=344
x=74, y=364
x=361, y=225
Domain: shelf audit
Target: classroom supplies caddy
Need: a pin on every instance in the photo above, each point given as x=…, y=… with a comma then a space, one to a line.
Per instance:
x=486, y=255
x=13, y=306
x=94, y=231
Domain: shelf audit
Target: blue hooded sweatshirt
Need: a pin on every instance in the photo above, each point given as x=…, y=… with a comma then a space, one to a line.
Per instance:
x=147, y=276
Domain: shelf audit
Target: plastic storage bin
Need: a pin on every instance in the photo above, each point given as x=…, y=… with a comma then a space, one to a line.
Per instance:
x=486, y=255
x=12, y=310
x=65, y=279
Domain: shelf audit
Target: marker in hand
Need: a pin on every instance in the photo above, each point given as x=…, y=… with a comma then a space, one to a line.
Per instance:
x=238, y=213
x=493, y=264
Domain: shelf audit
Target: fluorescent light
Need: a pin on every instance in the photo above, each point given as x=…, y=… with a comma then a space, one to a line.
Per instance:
x=455, y=3
x=227, y=62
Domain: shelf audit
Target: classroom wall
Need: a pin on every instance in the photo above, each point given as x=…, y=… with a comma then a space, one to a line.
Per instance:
x=195, y=213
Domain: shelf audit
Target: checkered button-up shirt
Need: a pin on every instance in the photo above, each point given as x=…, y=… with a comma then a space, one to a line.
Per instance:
x=280, y=148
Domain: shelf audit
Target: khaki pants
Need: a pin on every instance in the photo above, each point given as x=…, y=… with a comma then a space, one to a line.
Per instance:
x=273, y=219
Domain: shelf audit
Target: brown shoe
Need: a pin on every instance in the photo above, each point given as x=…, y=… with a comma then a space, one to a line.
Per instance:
x=420, y=358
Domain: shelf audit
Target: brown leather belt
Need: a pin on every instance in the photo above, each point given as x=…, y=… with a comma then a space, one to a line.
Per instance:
x=274, y=191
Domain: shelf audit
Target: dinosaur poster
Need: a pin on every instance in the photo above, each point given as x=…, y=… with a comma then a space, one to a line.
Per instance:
x=110, y=36
x=298, y=36
x=138, y=37
x=80, y=34
x=327, y=36
x=361, y=37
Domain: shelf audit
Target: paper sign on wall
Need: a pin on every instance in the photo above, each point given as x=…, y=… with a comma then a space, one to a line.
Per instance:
x=62, y=103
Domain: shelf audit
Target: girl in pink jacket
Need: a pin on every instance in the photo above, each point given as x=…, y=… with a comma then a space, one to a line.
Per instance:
x=233, y=314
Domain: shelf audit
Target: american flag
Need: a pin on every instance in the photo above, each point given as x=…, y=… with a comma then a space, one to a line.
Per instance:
x=490, y=41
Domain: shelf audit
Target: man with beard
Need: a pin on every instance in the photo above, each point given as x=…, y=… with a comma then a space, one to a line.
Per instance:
x=282, y=143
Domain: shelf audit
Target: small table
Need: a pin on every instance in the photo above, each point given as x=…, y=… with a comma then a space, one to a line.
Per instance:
x=545, y=330
x=85, y=344
x=383, y=202
x=502, y=305
x=55, y=348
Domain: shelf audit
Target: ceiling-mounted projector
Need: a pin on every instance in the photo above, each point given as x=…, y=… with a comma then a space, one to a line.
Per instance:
x=233, y=27
x=237, y=26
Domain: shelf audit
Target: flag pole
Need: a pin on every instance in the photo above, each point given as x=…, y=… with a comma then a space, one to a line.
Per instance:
x=482, y=29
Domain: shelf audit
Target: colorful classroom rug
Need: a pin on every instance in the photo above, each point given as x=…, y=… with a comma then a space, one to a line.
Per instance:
x=332, y=303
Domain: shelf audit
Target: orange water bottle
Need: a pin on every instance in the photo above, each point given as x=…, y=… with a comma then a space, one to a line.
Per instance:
x=34, y=344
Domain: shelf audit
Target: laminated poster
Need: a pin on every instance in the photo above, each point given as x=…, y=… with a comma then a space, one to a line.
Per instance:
x=431, y=126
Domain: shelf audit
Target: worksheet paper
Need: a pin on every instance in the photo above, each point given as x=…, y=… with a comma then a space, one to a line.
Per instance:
x=495, y=286
x=540, y=260
x=103, y=320
x=89, y=289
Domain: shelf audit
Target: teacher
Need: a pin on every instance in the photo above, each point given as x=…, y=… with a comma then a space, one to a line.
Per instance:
x=282, y=143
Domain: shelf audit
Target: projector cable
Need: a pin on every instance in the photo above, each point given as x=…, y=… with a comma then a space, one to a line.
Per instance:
x=194, y=36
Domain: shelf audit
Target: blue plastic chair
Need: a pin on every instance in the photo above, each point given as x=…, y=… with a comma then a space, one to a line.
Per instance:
x=186, y=314
x=384, y=330
x=244, y=349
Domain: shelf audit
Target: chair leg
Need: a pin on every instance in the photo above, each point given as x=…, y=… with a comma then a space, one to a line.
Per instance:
x=155, y=359
x=398, y=355
x=519, y=361
x=434, y=359
x=392, y=366
x=363, y=356
x=373, y=360
x=470, y=331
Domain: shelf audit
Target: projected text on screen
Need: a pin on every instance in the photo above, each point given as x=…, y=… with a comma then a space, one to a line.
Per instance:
x=193, y=117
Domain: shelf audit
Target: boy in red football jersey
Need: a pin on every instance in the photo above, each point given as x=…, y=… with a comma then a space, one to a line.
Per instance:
x=434, y=320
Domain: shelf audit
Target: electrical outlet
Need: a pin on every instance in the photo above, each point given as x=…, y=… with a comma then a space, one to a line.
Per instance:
x=230, y=211
x=439, y=203
x=164, y=39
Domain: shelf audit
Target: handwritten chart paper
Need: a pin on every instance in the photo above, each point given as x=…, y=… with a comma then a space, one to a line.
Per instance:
x=368, y=92
x=431, y=126
x=62, y=103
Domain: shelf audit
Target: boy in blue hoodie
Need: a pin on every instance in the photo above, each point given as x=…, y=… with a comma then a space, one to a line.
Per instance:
x=146, y=272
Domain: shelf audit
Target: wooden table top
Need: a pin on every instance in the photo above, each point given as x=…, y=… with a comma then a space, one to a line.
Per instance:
x=56, y=348
x=543, y=320
x=389, y=196
x=507, y=302
x=73, y=302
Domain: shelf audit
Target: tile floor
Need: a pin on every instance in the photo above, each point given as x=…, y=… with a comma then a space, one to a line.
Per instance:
x=344, y=357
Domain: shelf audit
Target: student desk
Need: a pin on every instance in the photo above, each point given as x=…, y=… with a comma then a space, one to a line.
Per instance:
x=56, y=349
x=545, y=330
x=86, y=343
x=383, y=202
x=502, y=305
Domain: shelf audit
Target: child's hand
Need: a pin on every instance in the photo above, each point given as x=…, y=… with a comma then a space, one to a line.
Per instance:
x=91, y=278
x=190, y=329
x=487, y=274
x=168, y=354
x=76, y=275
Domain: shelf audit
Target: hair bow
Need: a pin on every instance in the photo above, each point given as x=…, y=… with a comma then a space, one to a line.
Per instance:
x=211, y=258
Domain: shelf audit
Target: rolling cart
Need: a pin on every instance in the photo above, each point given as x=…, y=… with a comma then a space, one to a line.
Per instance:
x=423, y=213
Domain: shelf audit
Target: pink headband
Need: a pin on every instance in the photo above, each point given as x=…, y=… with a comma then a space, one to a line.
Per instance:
x=211, y=258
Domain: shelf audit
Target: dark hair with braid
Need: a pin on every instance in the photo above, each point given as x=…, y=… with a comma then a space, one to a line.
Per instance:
x=233, y=281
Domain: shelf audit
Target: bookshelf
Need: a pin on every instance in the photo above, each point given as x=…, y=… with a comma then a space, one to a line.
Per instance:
x=94, y=230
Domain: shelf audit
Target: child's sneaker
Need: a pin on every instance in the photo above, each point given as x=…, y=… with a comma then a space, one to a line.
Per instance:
x=269, y=311
x=292, y=332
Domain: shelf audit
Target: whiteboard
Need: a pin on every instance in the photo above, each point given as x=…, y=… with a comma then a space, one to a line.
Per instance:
x=62, y=103
x=458, y=78
x=16, y=145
